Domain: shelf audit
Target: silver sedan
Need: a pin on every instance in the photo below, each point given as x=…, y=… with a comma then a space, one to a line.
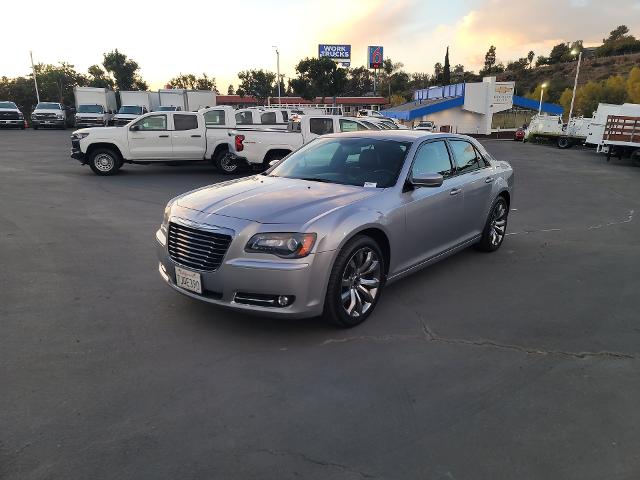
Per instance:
x=325, y=229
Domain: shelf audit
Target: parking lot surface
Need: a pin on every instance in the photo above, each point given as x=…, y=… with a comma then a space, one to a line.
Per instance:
x=519, y=364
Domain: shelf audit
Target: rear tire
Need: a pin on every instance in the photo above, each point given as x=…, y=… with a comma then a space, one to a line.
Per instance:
x=355, y=283
x=104, y=161
x=495, y=228
x=564, y=142
x=225, y=164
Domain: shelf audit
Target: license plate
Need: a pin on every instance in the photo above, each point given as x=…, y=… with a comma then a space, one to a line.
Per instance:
x=47, y=122
x=188, y=280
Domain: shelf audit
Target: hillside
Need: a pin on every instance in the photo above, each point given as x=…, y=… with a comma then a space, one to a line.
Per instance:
x=560, y=76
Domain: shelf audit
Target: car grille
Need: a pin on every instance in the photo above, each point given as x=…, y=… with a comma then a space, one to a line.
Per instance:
x=199, y=249
x=47, y=116
x=9, y=116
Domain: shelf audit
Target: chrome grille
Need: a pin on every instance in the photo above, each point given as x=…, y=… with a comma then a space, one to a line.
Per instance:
x=199, y=249
x=9, y=116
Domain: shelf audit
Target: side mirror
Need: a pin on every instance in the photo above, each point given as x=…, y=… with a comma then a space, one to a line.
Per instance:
x=134, y=128
x=273, y=163
x=427, y=180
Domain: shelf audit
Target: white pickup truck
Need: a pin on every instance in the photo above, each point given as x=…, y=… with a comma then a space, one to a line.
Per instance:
x=260, y=147
x=167, y=136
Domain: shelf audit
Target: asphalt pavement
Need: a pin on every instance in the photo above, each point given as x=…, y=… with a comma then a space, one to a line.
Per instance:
x=522, y=364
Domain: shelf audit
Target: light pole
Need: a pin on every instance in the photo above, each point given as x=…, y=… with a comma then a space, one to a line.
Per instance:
x=35, y=80
x=278, y=71
x=575, y=84
x=543, y=86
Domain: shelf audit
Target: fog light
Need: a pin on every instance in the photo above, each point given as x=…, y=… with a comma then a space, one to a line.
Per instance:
x=284, y=300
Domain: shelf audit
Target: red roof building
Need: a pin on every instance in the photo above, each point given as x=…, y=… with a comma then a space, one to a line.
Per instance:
x=349, y=104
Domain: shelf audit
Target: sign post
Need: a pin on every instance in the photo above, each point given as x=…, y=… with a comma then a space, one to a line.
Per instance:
x=375, y=57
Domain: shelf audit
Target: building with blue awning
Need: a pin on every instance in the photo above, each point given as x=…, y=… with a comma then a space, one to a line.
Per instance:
x=471, y=108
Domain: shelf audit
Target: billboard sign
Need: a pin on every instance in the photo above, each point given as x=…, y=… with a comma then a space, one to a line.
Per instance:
x=337, y=53
x=503, y=93
x=375, y=56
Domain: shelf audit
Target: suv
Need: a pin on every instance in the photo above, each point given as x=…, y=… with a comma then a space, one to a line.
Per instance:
x=49, y=114
x=10, y=115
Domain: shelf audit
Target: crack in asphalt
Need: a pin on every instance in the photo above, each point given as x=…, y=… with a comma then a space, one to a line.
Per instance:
x=323, y=463
x=430, y=336
x=627, y=219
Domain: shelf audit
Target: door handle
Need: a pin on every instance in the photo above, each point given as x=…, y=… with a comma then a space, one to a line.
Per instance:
x=455, y=191
x=196, y=136
x=488, y=180
x=163, y=136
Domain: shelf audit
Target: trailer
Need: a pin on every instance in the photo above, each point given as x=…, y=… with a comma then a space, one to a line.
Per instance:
x=550, y=128
x=174, y=97
x=197, y=99
x=149, y=100
x=595, y=130
x=622, y=134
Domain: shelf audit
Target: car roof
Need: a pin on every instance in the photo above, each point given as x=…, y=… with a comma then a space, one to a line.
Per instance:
x=399, y=135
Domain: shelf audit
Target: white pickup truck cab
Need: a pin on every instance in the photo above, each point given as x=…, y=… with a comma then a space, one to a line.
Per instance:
x=161, y=136
x=49, y=114
x=260, y=147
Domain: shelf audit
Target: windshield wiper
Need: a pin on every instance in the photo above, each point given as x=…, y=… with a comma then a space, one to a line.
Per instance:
x=315, y=179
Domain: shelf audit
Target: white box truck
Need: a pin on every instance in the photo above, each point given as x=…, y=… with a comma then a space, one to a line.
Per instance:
x=197, y=99
x=94, y=106
x=173, y=99
x=133, y=104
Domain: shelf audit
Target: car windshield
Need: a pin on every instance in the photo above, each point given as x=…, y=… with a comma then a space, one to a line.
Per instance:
x=130, y=110
x=48, y=106
x=90, y=109
x=359, y=161
x=7, y=105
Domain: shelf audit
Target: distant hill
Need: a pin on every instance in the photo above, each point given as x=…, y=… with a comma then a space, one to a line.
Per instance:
x=560, y=76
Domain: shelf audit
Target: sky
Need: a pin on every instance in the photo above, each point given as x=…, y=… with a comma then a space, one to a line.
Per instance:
x=223, y=37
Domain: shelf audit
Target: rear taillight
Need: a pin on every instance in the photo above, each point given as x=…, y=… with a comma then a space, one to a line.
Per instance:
x=238, y=143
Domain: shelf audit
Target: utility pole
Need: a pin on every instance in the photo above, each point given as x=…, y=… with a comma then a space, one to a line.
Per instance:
x=35, y=80
x=575, y=85
x=278, y=71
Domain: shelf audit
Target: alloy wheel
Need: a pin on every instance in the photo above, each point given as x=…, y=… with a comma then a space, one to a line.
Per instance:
x=498, y=224
x=360, y=282
x=228, y=164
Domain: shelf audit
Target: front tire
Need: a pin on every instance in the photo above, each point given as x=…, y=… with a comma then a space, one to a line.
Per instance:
x=104, y=161
x=495, y=227
x=355, y=283
x=564, y=142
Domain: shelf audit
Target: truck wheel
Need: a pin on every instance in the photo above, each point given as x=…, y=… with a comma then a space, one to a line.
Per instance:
x=564, y=142
x=226, y=164
x=104, y=161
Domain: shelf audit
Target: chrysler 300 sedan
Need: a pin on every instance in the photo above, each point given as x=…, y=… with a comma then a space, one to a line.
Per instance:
x=325, y=229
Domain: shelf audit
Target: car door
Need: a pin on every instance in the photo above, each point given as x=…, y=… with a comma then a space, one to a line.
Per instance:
x=433, y=223
x=476, y=183
x=187, y=138
x=149, y=138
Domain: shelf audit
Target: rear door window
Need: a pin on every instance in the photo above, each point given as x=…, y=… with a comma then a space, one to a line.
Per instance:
x=350, y=126
x=244, y=118
x=185, y=122
x=321, y=126
x=268, y=118
x=214, y=118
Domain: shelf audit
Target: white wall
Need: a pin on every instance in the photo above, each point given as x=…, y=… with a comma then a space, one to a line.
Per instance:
x=461, y=121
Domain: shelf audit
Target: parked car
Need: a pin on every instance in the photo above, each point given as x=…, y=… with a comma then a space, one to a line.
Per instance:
x=163, y=136
x=127, y=113
x=49, y=114
x=10, y=115
x=519, y=135
x=425, y=125
x=324, y=230
x=259, y=147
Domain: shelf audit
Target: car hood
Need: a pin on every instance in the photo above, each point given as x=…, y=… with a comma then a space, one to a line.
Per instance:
x=9, y=110
x=102, y=131
x=87, y=114
x=47, y=110
x=273, y=200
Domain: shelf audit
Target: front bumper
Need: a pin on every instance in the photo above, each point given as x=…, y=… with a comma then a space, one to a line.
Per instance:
x=48, y=122
x=77, y=153
x=306, y=280
x=82, y=122
x=12, y=123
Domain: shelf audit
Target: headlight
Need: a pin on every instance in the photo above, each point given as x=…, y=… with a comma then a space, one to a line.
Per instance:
x=165, y=217
x=60, y=116
x=80, y=135
x=285, y=245
x=20, y=116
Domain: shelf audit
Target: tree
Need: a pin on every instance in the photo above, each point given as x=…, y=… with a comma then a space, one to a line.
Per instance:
x=319, y=77
x=359, y=82
x=125, y=71
x=458, y=73
x=187, y=81
x=530, y=56
x=56, y=82
x=437, y=72
x=618, y=43
x=518, y=65
x=446, y=71
x=489, y=60
x=542, y=60
x=99, y=78
x=616, y=34
x=560, y=53
x=206, y=83
x=633, y=85
x=257, y=83
x=230, y=90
